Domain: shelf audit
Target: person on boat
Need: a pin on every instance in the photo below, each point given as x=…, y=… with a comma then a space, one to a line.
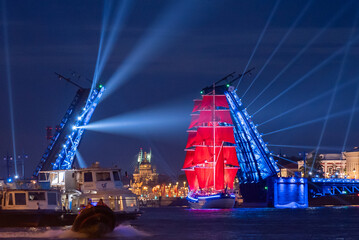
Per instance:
x=101, y=203
x=83, y=207
x=89, y=203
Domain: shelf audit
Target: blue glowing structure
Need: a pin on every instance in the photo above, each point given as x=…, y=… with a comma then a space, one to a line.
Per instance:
x=290, y=192
x=255, y=160
x=334, y=186
x=63, y=146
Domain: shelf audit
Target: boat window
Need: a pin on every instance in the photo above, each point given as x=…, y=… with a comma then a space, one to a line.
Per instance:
x=36, y=196
x=103, y=176
x=43, y=176
x=116, y=177
x=88, y=176
x=130, y=202
x=20, y=199
x=4, y=199
x=51, y=198
x=10, y=199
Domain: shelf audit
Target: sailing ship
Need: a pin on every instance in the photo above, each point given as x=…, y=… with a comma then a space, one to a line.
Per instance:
x=223, y=143
x=211, y=162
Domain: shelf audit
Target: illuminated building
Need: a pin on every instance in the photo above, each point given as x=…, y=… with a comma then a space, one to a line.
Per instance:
x=288, y=170
x=145, y=176
x=336, y=165
x=147, y=186
x=352, y=163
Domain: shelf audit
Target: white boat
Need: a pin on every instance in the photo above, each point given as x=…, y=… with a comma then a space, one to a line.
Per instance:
x=30, y=208
x=81, y=185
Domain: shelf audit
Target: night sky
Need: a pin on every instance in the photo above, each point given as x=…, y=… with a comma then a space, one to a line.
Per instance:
x=172, y=50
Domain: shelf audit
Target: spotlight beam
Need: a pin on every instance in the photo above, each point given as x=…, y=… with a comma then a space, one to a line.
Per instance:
x=320, y=65
x=305, y=147
x=80, y=160
x=309, y=101
x=122, y=11
x=339, y=77
x=294, y=24
x=313, y=121
x=260, y=38
x=8, y=76
x=105, y=17
x=156, y=121
x=151, y=44
x=278, y=156
x=350, y=119
x=301, y=52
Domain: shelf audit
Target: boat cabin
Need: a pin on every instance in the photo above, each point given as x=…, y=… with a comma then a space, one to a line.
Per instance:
x=85, y=180
x=30, y=199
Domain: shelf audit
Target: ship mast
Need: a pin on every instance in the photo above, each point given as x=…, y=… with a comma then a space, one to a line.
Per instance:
x=214, y=135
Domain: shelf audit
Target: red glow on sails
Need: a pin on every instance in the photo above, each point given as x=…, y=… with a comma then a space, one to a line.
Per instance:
x=205, y=135
x=188, y=162
x=204, y=176
x=230, y=156
x=192, y=179
x=204, y=153
x=219, y=170
x=220, y=101
x=191, y=139
x=197, y=105
x=201, y=170
x=229, y=175
x=206, y=116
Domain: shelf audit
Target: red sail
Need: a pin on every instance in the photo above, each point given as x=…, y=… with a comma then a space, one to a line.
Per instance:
x=191, y=139
x=204, y=153
x=197, y=105
x=229, y=175
x=230, y=156
x=192, y=179
x=219, y=181
x=207, y=102
x=204, y=176
x=206, y=116
x=188, y=162
x=205, y=135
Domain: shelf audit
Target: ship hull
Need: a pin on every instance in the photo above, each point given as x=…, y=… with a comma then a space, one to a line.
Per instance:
x=212, y=202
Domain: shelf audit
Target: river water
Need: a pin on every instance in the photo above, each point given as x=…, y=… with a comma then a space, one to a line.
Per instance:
x=241, y=223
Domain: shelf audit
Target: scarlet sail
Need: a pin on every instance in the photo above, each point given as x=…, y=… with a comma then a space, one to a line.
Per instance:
x=211, y=161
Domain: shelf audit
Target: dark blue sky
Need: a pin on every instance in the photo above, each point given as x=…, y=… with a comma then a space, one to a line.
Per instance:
x=199, y=42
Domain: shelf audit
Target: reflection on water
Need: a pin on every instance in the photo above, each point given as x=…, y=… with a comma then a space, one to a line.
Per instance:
x=241, y=223
x=122, y=231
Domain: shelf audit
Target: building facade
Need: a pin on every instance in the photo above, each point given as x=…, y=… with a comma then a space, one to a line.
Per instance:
x=336, y=165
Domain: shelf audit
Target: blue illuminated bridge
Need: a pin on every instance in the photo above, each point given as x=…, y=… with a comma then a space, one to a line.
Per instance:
x=334, y=186
x=61, y=151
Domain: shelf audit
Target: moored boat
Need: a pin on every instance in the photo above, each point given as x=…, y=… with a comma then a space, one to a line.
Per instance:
x=30, y=208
